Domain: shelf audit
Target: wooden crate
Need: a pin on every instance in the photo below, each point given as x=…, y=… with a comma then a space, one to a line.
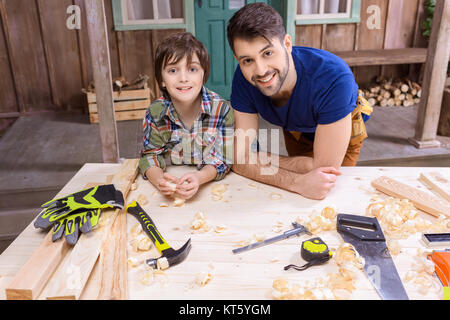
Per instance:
x=128, y=104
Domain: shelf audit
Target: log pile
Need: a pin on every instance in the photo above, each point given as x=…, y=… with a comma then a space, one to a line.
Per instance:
x=393, y=92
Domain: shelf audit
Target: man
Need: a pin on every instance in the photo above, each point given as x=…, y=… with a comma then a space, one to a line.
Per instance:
x=310, y=93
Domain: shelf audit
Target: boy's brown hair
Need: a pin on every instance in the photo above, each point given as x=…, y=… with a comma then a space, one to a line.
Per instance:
x=255, y=20
x=174, y=48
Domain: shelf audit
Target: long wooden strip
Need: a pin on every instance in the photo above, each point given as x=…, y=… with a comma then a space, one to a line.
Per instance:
x=421, y=200
x=437, y=182
x=71, y=278
x=123, y=95
x=113, y=264
x=33, y=276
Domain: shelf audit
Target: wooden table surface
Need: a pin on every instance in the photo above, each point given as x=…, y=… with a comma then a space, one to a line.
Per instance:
x=247, y=208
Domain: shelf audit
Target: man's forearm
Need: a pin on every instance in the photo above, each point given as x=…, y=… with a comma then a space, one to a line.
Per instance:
x=296, y=164
x=280, y=177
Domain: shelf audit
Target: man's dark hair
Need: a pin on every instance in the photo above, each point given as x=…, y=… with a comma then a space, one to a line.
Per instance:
x=255, y=20
x=174, y=48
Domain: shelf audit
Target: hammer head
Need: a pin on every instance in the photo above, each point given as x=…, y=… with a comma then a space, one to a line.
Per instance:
x=170, y=257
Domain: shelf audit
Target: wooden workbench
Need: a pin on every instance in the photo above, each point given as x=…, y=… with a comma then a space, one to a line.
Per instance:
x=247, y=208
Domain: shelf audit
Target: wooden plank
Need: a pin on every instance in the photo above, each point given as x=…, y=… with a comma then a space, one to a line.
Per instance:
x=423, y=201
x=308, y=35
x=33, y=276
x=82, y=259
x=123, y=95
x=124, y=105
x=98, y=38
x=122, y=115
x=383, y=56
x=340, y=37
x=434, y=77
x=437, y=182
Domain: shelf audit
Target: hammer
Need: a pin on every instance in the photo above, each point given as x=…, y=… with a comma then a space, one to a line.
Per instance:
x=169, y=256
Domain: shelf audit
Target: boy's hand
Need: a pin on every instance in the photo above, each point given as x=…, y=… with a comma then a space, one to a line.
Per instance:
x=188, y=185
x=167, y=185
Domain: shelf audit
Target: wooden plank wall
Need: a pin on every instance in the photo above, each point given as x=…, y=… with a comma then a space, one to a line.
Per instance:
x=44, y=65
x=399, y=28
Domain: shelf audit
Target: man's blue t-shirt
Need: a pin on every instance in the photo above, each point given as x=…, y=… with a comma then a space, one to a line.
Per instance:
x=325, y=92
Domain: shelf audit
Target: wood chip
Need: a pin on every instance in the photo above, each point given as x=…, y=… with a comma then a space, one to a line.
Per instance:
x=178, y=202
x=142, y=200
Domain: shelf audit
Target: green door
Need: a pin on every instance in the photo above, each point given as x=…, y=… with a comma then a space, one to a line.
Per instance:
x=211, y=19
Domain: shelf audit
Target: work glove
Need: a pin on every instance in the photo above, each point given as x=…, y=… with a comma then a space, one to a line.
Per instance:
x=73, y=223
x=99, y=197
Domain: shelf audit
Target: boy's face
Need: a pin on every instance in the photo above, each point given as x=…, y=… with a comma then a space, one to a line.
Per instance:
x=264, y=64
x=183, y=81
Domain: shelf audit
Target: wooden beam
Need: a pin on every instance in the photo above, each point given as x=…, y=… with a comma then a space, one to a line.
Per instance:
x=421, y=200
x=438, y=183
x=33, y=276
x=383, y=56
x=99, y=48
x=434, y=78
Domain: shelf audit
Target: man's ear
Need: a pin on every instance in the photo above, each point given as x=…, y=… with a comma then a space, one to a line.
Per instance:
x=287, y=41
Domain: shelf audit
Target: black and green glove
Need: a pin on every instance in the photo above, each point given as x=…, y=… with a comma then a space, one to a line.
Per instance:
x=72, y=224
x=99, y=197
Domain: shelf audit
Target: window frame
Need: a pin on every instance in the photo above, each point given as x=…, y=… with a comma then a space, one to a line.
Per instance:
x=354, y=16
x=121, y=22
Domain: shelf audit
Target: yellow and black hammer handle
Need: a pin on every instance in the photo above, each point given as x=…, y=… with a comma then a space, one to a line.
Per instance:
x=148, y=226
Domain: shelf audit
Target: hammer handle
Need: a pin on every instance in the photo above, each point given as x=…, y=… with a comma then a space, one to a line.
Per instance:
x=148, y=225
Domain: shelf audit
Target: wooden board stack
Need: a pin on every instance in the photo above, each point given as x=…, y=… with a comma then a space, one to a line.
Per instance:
x=58, y=271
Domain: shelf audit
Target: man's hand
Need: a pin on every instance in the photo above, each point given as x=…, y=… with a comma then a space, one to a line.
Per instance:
x=188, y=185
x=317, y=183
x=167, y=185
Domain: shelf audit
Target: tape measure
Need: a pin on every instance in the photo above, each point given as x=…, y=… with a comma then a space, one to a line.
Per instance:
x=315, y=251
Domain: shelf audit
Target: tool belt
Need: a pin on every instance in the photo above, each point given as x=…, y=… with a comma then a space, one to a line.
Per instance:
x=359, y=132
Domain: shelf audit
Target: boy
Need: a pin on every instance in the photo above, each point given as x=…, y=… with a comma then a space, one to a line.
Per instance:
x=310, y=93
x=190, y=124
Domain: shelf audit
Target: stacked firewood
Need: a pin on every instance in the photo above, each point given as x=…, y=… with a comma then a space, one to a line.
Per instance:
x=393, y=92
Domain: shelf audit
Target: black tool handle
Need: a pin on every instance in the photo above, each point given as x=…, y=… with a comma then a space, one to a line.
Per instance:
x=360, y=227
x=147, y=225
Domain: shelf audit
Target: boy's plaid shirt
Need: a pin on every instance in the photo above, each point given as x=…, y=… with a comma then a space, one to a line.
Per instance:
x=209, y=141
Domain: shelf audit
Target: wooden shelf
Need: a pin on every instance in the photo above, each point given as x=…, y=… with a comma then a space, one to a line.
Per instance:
x=383, y=56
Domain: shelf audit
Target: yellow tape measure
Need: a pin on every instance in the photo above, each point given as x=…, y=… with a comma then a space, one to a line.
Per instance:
x=315, y=251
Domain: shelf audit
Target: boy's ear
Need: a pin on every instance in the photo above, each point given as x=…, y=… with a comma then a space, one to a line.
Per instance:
x=163, y=84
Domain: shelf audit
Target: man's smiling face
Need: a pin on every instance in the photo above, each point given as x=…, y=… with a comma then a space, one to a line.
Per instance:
x=265, y=64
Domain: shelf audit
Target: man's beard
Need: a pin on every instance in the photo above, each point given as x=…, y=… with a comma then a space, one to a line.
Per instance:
x=282, y=75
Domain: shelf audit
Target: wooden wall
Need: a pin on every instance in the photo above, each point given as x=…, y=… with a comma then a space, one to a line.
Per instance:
x=44, y=65
x=399, y=28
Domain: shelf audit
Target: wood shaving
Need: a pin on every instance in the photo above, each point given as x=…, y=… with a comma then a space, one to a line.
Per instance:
x=317, y=290
x=134, y=186
x=400, y=219
x=132, y=262
x=148, y=277
x=142, y=200
x=220, y=228
x=318, y=222
x=163, y=204
x=275, y=196
x=347, y=257
x=162, y=263
x=252, y=185
x=217, y=191
x=141, y=243
x=171, y=185
x=136, y=230
x=203, y=278
x=199, y=223
x=178, y=202
x=421, y=274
